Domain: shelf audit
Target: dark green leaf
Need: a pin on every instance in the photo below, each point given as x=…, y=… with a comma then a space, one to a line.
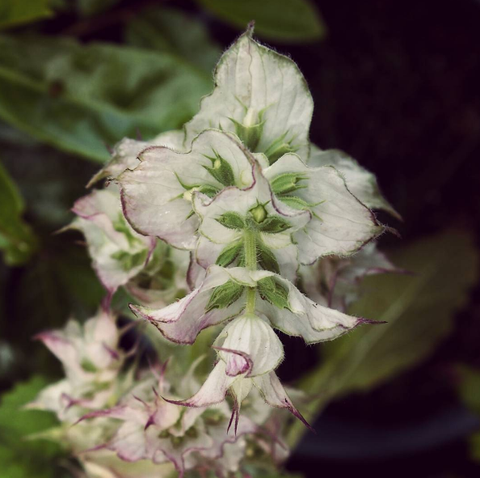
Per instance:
x=232, y=220
x=229, y=254
x=266, y=259
x=81, y=97
x=17, y=12
x=274, y=225
x=287, y=20
x=16, y=237
x=273, y=292
x=224, y=295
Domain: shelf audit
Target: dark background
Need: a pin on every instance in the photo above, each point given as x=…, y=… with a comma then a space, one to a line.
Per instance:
x=396, y=85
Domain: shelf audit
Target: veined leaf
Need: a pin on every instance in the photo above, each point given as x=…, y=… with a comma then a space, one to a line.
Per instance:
x=81, y=97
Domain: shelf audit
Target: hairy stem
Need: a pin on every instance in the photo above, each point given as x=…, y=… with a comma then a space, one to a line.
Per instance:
x=250, y=245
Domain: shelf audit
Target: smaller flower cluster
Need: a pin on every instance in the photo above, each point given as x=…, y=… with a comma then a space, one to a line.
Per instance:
x=114, y=419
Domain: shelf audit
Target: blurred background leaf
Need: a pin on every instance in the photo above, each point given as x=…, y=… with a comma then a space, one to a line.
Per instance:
x=419, y=311
x=280, y=20
x=17, y=240
x=17, y=12
x=21, y=457
x=468, y=384
x=171, y=31
x=81, y=98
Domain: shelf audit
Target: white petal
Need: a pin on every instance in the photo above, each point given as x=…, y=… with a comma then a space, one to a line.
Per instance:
x=254, y=337
x=124, y=156
x=275, y=395
x=183, y=320
x=154, y=199
x=250, y=78
x=361, y=182
x=212, y=391
x=110, y=238
x=340, y=225
x=240, y=202
x=306, y=319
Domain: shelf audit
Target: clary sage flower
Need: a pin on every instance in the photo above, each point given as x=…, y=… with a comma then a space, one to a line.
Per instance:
x=334, y=282
x=110, y=413
x=243, y=194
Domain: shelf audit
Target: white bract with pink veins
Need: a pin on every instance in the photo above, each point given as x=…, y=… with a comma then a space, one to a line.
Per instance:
x=243, y=192
x=118, y=252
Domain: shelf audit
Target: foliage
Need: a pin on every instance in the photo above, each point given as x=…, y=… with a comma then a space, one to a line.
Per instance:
x=283, y=20
x=17, y=425
x=16, y=12
x=418, y=309
x=17, y=240
x=81, y=97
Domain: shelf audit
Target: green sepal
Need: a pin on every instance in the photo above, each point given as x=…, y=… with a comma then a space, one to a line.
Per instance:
x=278, y=148
x=208, y=190
x=287, y=183
x=129, y=261
x=221, y=170
x=229, y=254
x=266, y=259
x=297, y=203
x=224, y=295
x=274, y=225
x=186, y=186
x=273, y=292
x=121, y=225
x=232, y=220
x=250, y=135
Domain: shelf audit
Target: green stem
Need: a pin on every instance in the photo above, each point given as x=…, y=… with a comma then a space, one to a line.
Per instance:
x=250, y=249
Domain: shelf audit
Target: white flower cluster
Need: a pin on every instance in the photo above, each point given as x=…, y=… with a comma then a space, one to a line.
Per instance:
x=227, y=216
x=244, y=190
x=112, y=416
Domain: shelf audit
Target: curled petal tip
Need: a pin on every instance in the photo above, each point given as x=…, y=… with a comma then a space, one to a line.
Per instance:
x=362, y=321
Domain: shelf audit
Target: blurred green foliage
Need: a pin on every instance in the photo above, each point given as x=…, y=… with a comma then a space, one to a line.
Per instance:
x=81, y=98
x=419, y=309
x=20, y=456
x=17, y=12
x=468, y=384
x=281, y=20
x=169, y=31
x=17, y=241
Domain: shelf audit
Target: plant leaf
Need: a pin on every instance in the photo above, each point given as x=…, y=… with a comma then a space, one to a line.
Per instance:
x=81, y=97
x=18, y=12
x=17, y=240
x=282, y=20
x=172, y=31
x=17, y=425
x=418, y=309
